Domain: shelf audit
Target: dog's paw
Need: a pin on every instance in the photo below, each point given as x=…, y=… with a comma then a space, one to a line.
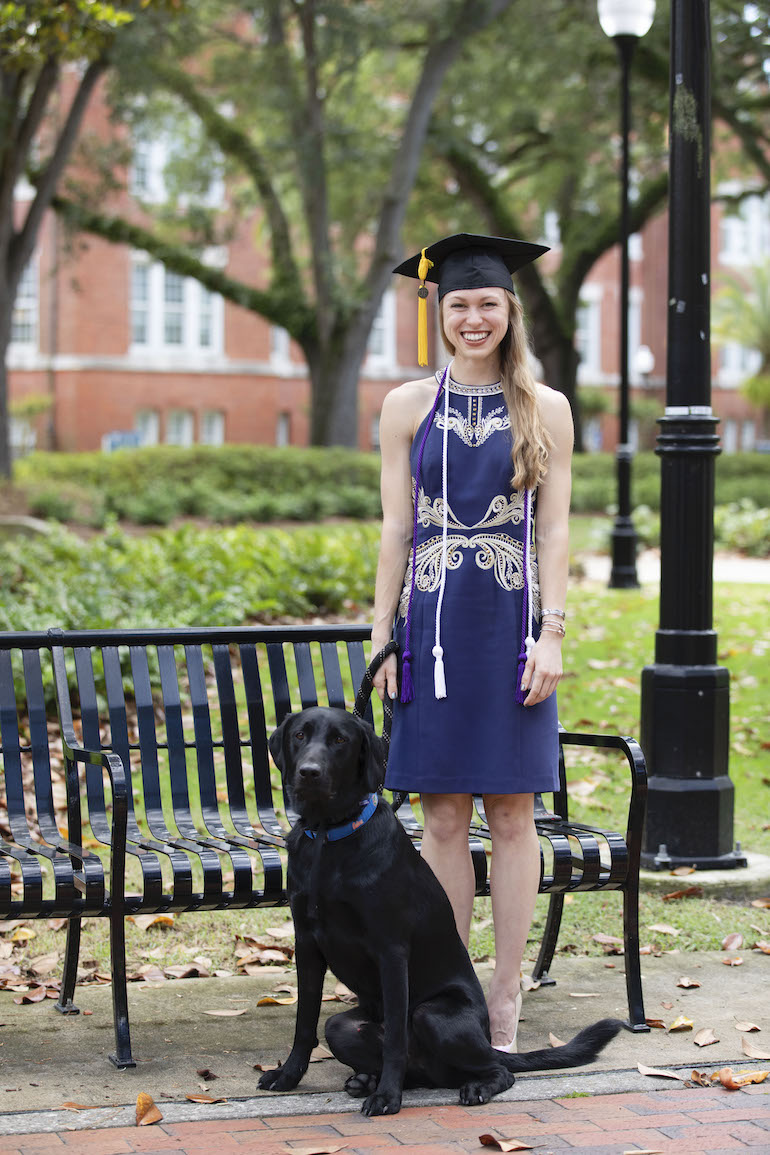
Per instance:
x=360, y=1084
x=476, y=1092
x=382, y=1103
x=280, y=1079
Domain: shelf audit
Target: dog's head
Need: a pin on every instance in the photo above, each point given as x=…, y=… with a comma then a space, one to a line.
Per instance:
x=329, y=760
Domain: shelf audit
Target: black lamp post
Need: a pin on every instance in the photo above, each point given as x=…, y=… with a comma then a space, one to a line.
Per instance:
x=686, y=694
x=624, y=21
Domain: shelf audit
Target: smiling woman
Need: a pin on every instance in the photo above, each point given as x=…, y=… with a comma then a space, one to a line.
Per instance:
x=475, y=493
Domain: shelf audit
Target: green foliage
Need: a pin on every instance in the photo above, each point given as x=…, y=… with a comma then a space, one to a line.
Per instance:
x=743, y=527
x=35, y=30
x=185, y=576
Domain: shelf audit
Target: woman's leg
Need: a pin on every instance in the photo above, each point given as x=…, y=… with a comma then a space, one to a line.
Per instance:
x=514, y=882
x=445, y=849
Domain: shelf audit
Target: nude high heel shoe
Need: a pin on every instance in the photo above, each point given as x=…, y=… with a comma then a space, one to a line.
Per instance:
x=511, y=1048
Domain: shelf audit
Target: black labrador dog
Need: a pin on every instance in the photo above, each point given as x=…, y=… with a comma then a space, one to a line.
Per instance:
x=368, y=907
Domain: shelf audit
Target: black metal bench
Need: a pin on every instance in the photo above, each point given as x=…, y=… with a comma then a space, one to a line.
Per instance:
x=168, y=773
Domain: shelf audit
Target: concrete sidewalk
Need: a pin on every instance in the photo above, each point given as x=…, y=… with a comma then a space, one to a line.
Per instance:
x=47, y=1060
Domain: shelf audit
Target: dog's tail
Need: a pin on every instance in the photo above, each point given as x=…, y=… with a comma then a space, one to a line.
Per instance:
x=584, y=1048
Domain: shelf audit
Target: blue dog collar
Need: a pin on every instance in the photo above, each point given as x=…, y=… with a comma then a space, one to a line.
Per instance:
x=334, y=833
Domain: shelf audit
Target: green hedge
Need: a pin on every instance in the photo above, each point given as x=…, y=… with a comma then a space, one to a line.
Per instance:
x=258, y=483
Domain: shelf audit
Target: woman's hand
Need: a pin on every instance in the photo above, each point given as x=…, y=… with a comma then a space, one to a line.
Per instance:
x=543, y=670
x=386, y=678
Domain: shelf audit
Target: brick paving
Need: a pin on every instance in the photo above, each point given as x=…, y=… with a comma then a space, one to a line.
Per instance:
x=697, y=1121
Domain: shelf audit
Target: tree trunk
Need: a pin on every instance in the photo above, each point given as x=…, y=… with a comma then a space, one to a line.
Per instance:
x=6, y=312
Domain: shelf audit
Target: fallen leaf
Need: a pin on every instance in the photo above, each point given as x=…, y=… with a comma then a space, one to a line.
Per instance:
x=752, y=1052
x=554, y=1041
x=226, y=1014
x=187, y=971
x=528, y=983
x=741, y=1026
x=763, y=946
x=319, y=1053
x=688, y=983
x=701, y=1078
x=146, y=1111
x=657, y=1023
x=43, y=964
x=680, y=871
x=205, y=1099
x=324, y=1149
x=606, y=939
x=663, y=928
x=57, y=923
x=734, y=1082
x=681, y=1023
x=643, y=1151
x=733, y=962
x=76, y=1107
x=23, y=934
x=145, y=921
x=705, y=1037
x=656, y=1072
x=584, y=995
x=504, y=1144
x=732, y=941
x=285, y=931
x=762, y=903
x=667, y=1006
x=690, y=892
x=33, y=995
x=271, y=1001
x=345, y=995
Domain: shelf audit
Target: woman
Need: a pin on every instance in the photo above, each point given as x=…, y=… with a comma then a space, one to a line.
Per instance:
x=475, y=498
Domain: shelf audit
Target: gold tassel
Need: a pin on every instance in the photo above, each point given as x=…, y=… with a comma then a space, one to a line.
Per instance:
x=423, y=269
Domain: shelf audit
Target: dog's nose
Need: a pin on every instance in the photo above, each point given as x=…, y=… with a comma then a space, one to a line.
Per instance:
x=309, y=770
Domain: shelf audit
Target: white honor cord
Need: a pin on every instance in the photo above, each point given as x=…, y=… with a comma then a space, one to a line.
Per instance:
x=439, y=678
x=529, y=640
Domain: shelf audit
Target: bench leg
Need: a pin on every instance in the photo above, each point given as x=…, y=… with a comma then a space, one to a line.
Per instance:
x=637, y=1021
x=64, y=1005
x=548, y=945
x=122, y=1058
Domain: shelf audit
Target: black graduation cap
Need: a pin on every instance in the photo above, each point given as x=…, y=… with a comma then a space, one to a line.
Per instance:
x=465, y=261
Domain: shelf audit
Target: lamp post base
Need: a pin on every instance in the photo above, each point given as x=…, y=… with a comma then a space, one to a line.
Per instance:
x=623, y=552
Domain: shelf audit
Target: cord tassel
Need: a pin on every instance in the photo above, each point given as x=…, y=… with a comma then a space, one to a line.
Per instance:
x=407, y=688
x=439, y=678
x=423, y=269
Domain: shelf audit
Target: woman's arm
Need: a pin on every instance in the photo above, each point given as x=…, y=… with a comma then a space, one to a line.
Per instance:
x=544, y=667
x=396, y=432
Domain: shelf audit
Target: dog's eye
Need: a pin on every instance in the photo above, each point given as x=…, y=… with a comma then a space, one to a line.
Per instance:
x=299, y=735
x=340, y=740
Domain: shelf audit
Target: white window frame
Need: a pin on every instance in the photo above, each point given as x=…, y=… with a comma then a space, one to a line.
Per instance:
x=27, y=300
x=283, y=429
x=180, y=427
x=588, y=335
x=212, y=427
x=196, y=305
x=381, y=346
x=146, y=180
x=147, y=425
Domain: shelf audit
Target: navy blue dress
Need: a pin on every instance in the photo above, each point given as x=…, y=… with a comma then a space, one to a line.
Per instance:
x=477, y=739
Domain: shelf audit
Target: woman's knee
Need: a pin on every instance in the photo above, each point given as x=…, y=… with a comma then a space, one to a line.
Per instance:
x=447, y=816
x=510, y=816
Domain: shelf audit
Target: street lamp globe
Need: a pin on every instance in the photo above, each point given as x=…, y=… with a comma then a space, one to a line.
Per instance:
x=626, y=17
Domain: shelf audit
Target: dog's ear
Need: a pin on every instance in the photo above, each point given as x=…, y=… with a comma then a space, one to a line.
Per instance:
x=275, y=743
x=372, y=757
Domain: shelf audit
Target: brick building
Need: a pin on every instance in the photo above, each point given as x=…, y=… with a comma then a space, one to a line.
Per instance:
x=123, y=351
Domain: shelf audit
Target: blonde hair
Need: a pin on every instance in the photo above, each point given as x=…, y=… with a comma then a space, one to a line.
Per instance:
x=531, y=440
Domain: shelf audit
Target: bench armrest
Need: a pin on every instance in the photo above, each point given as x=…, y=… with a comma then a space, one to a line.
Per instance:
x=637, y=766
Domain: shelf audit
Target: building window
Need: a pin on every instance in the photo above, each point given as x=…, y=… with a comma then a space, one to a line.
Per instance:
x=24, y=323
x=147, y=426
x=381, y=346
x=180, y=427
x=749, y=436
x=283, y=429
x=736, y=363
x=744, y=232
x=152, y=179
x=173, y=313
x=212, y=427
x=588, y=339
x=279, y=345
x=730, y=436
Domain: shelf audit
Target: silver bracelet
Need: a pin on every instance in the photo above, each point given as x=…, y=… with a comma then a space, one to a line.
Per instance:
x=556, y=613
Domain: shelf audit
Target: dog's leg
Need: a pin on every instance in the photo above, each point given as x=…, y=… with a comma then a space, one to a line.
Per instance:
x=311, y=968
x=453, y=1049
x=356, y=1042
x=394, y=977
